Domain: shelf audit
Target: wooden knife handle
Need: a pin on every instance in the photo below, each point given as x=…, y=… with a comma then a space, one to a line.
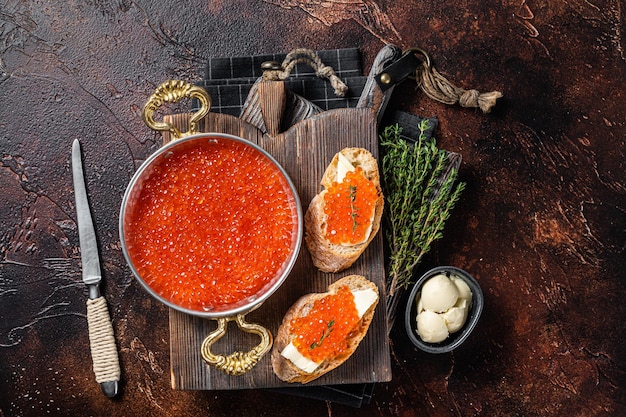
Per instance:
x=106, y=364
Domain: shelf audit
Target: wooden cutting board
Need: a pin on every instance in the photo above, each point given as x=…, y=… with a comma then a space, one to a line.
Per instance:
x=304, y=150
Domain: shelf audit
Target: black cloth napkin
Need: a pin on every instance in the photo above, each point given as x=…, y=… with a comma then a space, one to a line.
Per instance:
x=228, y=80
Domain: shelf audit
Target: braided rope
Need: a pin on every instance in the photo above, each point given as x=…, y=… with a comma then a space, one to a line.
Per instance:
x=309, y=57
x=437, y=87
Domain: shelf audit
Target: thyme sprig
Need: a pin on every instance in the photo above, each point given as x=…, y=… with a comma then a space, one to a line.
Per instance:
x=353, y=210
x=420, y=193
x=327, y=331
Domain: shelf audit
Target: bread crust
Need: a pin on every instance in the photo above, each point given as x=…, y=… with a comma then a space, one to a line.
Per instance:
x=283, y=367
x=327, y=256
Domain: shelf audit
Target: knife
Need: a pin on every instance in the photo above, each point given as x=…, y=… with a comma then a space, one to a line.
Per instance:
x=101, y=338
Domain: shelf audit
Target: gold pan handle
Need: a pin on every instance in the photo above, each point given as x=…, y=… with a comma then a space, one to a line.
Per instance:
x=172, y=91
x=237, y=363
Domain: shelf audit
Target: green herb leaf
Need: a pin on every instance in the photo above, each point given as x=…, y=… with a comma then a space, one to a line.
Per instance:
x=325, y=334
x=353, y=210
x=420, y=195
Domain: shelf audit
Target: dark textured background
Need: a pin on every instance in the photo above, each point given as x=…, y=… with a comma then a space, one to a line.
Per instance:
x=542, y=224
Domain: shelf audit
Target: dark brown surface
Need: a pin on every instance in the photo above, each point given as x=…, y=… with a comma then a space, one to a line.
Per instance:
x=541, y=224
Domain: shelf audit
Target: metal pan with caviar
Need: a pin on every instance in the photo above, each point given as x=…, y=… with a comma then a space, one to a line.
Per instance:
x=211, y=226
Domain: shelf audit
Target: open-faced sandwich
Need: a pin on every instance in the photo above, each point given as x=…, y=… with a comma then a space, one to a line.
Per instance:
x=344, y=218
x=322, y=330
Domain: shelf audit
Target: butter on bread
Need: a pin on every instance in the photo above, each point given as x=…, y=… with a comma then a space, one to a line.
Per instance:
x=327, y=256
x=285, y=368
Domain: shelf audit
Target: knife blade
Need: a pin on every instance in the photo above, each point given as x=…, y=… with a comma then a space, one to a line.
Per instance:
x=101, y=338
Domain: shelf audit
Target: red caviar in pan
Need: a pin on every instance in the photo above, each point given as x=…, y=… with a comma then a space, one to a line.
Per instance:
x=323, y=333
x=212, y=225
x=350, y=206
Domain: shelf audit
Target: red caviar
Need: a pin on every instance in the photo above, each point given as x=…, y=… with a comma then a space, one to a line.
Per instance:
x=350, y=206
x=212, y=225
x=323, y=333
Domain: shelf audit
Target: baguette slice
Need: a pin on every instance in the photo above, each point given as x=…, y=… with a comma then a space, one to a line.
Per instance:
x=327, y=256
x=284, y=368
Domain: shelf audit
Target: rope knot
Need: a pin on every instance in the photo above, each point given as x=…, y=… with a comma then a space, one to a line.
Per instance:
x=469, y=98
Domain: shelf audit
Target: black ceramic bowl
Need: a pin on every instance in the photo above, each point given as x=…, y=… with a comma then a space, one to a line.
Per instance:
x=455, y=339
